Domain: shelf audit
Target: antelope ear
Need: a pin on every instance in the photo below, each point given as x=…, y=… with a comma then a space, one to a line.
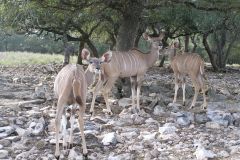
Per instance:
x=161, y=35
x=176, y=45
x=145, y=36
x=106, y=57
x=85, y=54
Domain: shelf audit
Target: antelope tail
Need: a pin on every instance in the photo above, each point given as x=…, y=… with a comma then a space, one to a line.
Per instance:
x=76, y=90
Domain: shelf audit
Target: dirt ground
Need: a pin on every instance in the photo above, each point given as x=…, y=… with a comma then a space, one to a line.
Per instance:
x=161, y=131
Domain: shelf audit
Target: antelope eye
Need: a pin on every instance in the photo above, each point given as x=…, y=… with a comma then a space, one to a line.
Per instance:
x=90, y=62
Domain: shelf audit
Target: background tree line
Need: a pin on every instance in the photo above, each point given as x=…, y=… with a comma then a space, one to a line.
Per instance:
x=210, y=27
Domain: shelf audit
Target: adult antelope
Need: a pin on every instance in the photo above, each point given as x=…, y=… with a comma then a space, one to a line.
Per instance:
x=133, y=64
x=70, y=88
x=187, y=64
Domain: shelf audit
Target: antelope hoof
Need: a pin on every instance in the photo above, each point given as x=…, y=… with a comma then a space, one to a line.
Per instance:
x=184, y=103
x=57, y=157
x=70, y=146
x=135, y=110
x=109, y=112
x=91, y=113
x=65, y=147
x=138, y=110
x=85, y=156
x=204, y=107
x=191, y=107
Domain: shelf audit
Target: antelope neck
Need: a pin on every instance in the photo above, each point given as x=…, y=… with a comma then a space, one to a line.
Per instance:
x=153, y=56
x=91, y=78
x=172, y=54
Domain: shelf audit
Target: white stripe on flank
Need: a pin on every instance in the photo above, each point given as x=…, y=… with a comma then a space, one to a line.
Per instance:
x=130, y=61
x=201, y=69
x=135, y=64
x=117, y=60
x=123, y=62
x=185, y=61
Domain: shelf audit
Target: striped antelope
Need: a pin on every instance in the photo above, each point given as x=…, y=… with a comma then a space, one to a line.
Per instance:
x=187, y=64
x=70, y=88
x=133, y=64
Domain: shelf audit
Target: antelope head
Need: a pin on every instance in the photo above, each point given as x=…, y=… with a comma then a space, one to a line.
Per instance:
x=94, y=64
x=156, y=42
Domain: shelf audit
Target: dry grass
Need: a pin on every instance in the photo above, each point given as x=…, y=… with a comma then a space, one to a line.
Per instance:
x=23, y=58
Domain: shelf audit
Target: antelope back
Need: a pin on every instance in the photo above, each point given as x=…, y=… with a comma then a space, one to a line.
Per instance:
x=188, y=63
x=63, y=85
x=133, y=62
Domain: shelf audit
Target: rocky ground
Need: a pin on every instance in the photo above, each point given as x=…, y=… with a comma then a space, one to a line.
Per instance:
x=160, y=131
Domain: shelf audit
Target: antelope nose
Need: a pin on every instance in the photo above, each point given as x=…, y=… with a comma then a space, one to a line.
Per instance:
x=98, y=68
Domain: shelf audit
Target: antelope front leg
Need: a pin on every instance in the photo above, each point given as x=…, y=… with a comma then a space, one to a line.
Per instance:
x=176, y=90
x=64, y=130
x=204, y=105
x=133, y=89
x=183, y=89
x=72, y=118
x=139, y=84
x=60, y=107
x=107, y=88
x=81, y=126
x=196, y=88
x=204, y=89
x=95, y=92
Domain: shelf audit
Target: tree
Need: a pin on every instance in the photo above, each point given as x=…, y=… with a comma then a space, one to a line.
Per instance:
x=120, y=23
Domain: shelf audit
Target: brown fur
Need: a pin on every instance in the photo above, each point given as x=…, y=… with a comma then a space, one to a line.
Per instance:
x=133, y=64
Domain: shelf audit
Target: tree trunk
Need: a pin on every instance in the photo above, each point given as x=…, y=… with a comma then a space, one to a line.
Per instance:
x=93, y=48
x=137, y=40
x=194, y=44
x=162, y=61
x=165, y=44
x=129, y=25
x=6, y=45
x=186, y=43
x=81, y=46
x=212, y=55
x=66, y=54
x=127, y=33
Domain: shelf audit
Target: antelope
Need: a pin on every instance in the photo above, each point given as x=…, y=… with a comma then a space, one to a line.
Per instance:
x=133, y=64
x=70, y=88
x=187, y=64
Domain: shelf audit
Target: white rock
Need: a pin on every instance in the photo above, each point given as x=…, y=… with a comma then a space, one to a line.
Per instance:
x=150, y=121
x=234, y=149
x=124, y=102
x=148, y=136
x=5, y=131
x=213, y=125
x=174, y=105
x=167, y=128
x=125, y=156
x=21, y=131
x=203, y=154
x=158, y=110
x=3, y=154
x=147, y=156
x=223, y=154
x=168, y=136
x=73, y=155
x=109, y=138
x=37, y=128
x=136, y=147
x=129, y=135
